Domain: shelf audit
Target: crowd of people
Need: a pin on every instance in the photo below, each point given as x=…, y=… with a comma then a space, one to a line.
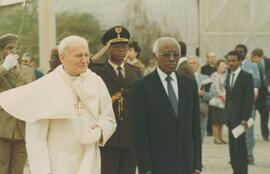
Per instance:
x=91, y=117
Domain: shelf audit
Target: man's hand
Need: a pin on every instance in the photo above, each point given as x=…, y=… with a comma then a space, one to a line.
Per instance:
x=196, y=173
x=10, y=61
x=268, y=88
x=91, y=135
x=116, y=96
x=201, y=93
x=244, y=124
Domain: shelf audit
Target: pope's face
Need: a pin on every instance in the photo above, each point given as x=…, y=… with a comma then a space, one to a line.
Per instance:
x=75, y=58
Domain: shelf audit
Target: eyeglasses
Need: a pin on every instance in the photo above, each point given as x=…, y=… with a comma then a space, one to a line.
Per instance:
x=170, y=54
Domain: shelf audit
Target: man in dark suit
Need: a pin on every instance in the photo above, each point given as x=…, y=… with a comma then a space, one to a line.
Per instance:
x=118, y=155
x=238, y=108
x=264, y=67
x=166, y=117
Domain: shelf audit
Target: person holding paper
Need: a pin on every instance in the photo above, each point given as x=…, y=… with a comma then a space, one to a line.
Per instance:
x=238, y=108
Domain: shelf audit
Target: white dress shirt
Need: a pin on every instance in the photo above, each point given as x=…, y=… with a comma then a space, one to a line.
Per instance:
x=163, y=76
x=236, y=73
x=116, y=66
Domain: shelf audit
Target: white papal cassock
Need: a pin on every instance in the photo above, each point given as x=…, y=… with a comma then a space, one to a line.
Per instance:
x=59, y=137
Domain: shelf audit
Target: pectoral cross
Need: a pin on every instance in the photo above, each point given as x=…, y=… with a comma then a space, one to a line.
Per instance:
x=78, y=106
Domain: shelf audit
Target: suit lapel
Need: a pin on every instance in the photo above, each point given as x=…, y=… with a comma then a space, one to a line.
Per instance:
x=161, y=93
x=182, y=92
x=129, y=75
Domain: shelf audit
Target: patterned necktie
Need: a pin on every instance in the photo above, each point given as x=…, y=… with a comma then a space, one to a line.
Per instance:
x=172, y=95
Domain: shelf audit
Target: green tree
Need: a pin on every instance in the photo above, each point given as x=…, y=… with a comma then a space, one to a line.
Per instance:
x=67, y=23
x=11, y=18
x=82, y=24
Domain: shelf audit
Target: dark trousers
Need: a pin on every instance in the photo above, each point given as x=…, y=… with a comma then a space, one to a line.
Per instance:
x=209, y=123
x=264, y=112
x=238, y=153
x=12, y=156
x=116, y=160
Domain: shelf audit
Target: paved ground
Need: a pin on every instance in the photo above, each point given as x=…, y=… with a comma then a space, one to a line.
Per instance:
x=216, y=157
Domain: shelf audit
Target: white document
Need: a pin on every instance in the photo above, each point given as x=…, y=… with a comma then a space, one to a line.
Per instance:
x=238, y=130
x=206, y=82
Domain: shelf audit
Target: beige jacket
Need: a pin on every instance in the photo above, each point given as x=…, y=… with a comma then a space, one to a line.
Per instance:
x=10, y=127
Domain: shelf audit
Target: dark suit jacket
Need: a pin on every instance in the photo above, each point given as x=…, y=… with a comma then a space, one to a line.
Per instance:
x=166, y=143
x=261, y=100
x=208, y=69
x=239, y=99
x=122, y=137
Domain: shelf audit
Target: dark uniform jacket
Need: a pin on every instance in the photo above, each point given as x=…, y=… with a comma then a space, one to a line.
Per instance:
x=261, y=100
x=122, y=137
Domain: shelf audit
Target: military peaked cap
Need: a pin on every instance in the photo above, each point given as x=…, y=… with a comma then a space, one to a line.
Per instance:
x=116, y=34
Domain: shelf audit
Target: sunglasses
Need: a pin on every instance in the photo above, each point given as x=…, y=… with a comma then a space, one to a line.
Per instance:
x=170, y=54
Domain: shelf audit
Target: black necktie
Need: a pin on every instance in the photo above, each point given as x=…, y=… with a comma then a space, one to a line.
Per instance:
x=172, y=95
x=120, y=75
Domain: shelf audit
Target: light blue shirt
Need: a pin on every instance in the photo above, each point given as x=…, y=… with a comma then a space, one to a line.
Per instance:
x=253, y=69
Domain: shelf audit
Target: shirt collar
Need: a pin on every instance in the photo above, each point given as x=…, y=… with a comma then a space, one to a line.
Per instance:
x=116, y=66
x=237, y=71
x=163, y=75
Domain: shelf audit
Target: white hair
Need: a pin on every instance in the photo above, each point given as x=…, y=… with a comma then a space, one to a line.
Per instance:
x=68, y=40
x=157, y=43
x=193, y=57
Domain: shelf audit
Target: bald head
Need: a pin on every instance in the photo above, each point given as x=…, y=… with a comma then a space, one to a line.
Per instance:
x=194, y=63
x=211, y=58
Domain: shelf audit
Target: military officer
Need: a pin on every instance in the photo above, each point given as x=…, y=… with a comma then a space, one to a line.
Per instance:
x=12, y=74
x=118, y=156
